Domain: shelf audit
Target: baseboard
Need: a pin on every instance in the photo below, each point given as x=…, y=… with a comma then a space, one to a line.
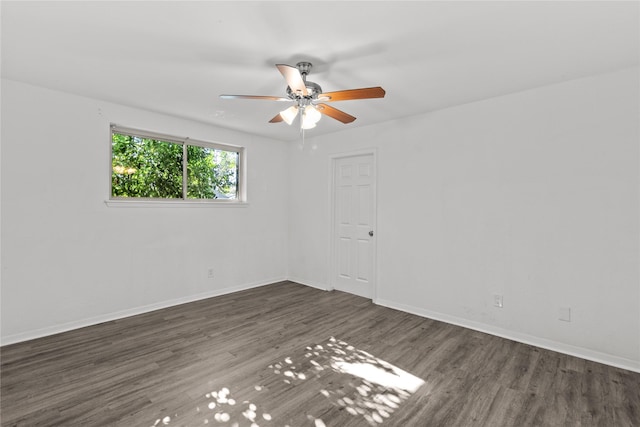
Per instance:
x=312, y=284
x=583, y=353
x=65, y=327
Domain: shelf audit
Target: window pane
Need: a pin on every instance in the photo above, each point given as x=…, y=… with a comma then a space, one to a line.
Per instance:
x=143, y=167
x=211, y=174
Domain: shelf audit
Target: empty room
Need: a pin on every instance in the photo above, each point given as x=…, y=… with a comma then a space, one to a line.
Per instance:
x=320, y=213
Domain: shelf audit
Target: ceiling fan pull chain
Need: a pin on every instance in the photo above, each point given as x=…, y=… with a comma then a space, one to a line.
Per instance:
x=301, y=116
x=301, y=110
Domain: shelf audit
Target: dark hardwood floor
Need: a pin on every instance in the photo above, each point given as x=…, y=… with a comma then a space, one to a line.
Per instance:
x=286, y=354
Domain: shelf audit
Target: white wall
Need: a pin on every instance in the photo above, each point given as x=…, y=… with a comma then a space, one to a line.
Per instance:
x=69, y=260
x=533, y=196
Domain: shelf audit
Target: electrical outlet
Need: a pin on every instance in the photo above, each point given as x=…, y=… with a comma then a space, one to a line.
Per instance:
x=497, y=300
x=564, y=314
x=210, y=273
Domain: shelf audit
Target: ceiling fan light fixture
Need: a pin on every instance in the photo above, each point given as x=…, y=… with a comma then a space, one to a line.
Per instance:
x=311, y=113
x=310, y=117
x=306, y=124
x=289, y=114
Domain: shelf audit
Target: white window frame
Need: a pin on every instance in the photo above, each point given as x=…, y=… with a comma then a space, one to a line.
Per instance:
x=241, y=185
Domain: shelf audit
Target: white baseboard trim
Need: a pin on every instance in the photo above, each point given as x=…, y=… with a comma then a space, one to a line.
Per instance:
x=65, y=327
x=583, y=353
x=312, y=284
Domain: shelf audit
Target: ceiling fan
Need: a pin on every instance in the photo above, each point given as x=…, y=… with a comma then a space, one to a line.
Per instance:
x=309, y=102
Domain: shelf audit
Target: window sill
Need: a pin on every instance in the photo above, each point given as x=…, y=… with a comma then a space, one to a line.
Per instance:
x=174, y=204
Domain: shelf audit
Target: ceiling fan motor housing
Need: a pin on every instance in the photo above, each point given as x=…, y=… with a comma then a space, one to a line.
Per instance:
x=313, y=90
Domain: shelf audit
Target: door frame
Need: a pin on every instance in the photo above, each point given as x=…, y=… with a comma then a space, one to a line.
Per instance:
x=333, y=159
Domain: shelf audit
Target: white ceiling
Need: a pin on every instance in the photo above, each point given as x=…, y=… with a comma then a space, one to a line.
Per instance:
x=176, y=57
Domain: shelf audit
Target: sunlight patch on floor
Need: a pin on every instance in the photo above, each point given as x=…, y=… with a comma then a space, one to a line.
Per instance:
x=372, y=388
x=352, y=380
x=223, y=407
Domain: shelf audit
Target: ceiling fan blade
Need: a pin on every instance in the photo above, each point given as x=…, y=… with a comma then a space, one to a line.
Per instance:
x=345, y=95
x=334, y=113
x=294, y=78
x=276, y=119
x=268, y=98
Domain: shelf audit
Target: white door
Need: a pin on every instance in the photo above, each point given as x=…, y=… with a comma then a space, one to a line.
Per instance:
x=354, y=219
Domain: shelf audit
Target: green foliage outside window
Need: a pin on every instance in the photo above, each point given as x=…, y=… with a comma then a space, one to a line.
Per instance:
x=211, y=174
x=150, y=168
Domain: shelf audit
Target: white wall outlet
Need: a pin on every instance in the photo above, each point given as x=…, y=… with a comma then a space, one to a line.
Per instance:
x=564, y=314
x=210, y=273
x=497, y=300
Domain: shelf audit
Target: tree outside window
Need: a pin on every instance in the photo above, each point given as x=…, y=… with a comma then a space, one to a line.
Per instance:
x=151, y=168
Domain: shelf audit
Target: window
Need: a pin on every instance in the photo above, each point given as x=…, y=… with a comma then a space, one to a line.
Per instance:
x=146, y=165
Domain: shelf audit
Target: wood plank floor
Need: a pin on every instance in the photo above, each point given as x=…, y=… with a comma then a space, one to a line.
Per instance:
x=289, y=355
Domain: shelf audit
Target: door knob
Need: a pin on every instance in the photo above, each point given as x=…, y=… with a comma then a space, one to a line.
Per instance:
x=371, y=233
